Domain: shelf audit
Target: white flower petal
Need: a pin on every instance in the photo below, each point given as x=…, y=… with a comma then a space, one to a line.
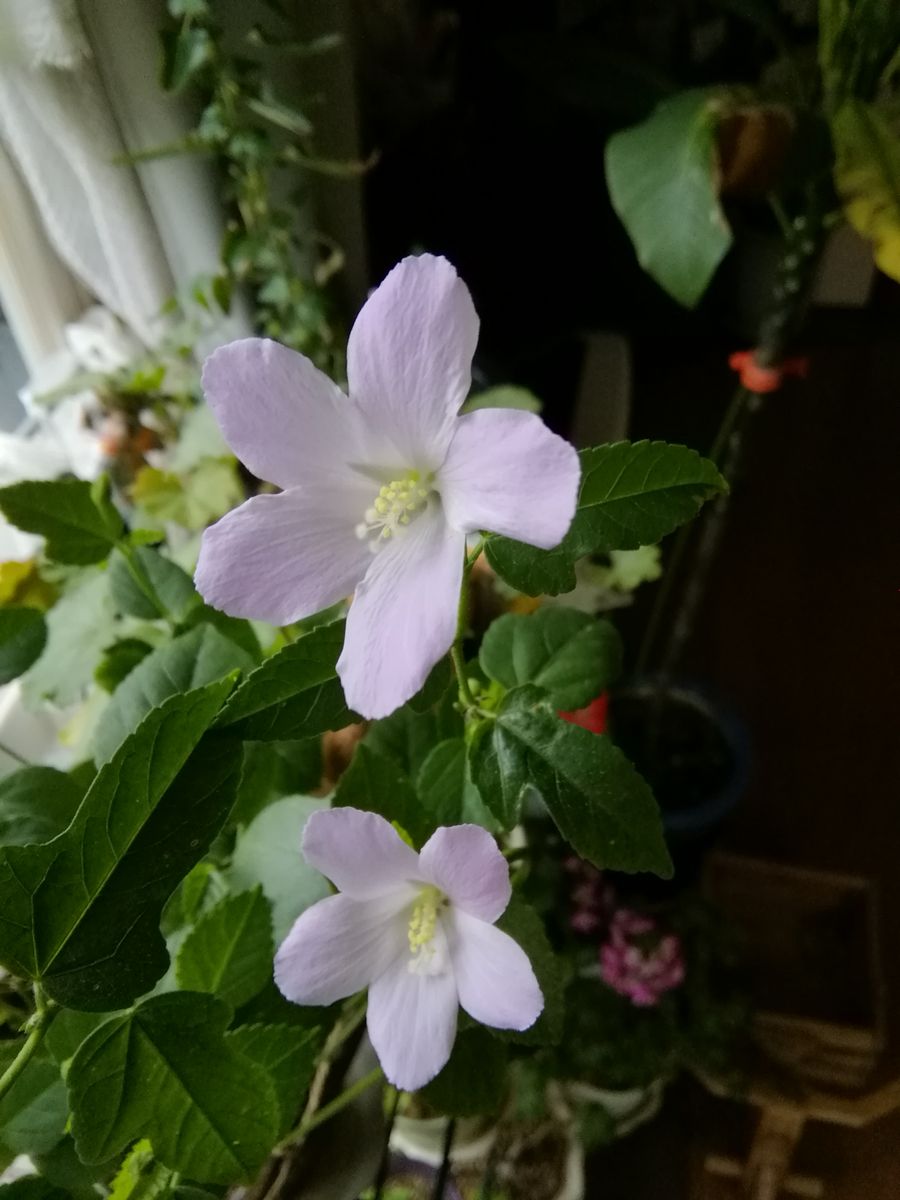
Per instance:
x=495, y=980
x=360, y=852
x=507, y=473
x=403, y=616
x=409, y=356
x=412, y=1021
x=338, y=946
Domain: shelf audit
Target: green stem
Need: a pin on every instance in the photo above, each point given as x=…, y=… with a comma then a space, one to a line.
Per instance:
x=14, y=754
x=329, y=1110
x=39, y=1023
x=466, y=696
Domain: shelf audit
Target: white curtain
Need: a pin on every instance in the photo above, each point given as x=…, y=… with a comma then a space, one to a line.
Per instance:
x=56, y=122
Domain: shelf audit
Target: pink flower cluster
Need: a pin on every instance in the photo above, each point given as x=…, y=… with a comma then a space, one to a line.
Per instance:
x=592, y=900
x=638, y=961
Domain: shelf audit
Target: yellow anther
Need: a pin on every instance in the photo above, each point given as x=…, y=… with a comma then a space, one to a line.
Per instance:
x=397, y=502
x=423, y=922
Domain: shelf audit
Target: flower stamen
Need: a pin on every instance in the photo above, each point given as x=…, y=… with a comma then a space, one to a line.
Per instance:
x=397, y=504
x=426, y=958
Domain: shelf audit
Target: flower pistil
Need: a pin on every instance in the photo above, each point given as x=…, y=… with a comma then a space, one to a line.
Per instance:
x=426, y=955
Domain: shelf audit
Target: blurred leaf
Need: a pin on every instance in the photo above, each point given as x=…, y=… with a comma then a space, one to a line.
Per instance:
x=81, y=914
x=185, y=52
x=867, y=177
x=23, y=635
x=79, y=626
x=77, y=519
x=282, y=115
x=506, y=396
x=36, y=804
x=210, y=1113
x=268, y=853
x=119, y=660
x=229, y=951
x=143, y=583
x=474, y=1081
x=530, y=570
x=193, y=499
x=524, y=926
x=141, y=1177
x=663, y=181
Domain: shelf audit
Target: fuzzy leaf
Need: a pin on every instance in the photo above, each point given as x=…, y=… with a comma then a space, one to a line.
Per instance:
x=593, y=793
x=294, y=694
x=288, y=1054
x=36, y=804
x=376, y=783
x=229, y=951
x=568, y=653
x=33, y=1111
x=189, y=661
x=210, y=1113
x=81, y=914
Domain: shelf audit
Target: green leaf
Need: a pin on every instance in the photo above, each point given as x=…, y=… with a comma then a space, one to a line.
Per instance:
x=409, y=737
x=36, y=804
x=273, y=770
x=210, y=1113
x=268, y=853
x=568, y=653
x=663, y=181
x=524, y=926
x=237, y=631
x=294, y=694
x=505, y=396
x=632, y=494
x=288, y=1054
x=79, y=626
x=378, y=784
x=185, y=51
x=145, y=584
x=141, y=1177
x=474, y=1081
x=32, y=1187
x=593, y=793
x=119, y=660
x=80, y=524
x=195, y=658
x=81, y=914
x=867, y=177
x=68, y=1030
x=229, y=951
x=33, y=1111
x=527, y=569
x=446, y=791
x=434, y=686
x=281, y=115
x=23, y=635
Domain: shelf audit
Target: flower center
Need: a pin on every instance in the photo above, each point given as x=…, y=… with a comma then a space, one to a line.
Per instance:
x=427, y=954
x=397, y=504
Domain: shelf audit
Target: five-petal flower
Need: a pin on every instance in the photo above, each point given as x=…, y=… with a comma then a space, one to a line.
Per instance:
x=391, y=469
x=417, y=930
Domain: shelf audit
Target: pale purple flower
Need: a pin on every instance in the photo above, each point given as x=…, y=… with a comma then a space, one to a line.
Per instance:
x=639, y=961
x=393, y=468
x=417, y=930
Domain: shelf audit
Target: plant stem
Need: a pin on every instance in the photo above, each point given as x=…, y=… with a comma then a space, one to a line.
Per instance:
x=14, y=754
x=385, y=1164
x=440, y=1184
x=346, y=1024
x=44, y=1014
x=466, y=698
x=329, y=1110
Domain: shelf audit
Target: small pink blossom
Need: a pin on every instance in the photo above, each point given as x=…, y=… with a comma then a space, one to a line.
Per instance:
x=640, y=962
x=418, y=930
x=381, y=486
x=591, y=899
